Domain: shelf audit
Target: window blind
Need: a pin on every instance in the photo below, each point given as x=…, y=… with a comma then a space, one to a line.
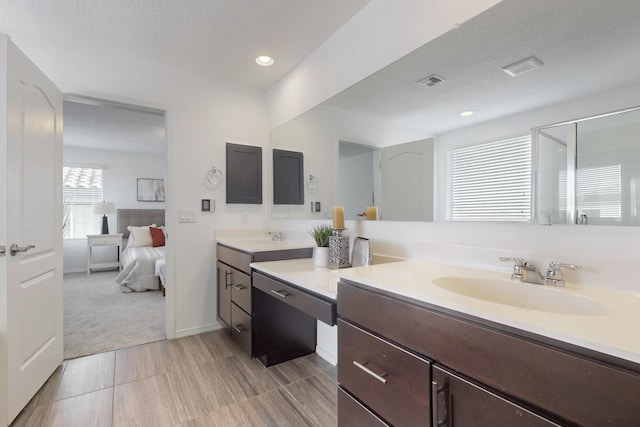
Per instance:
x=598, y=191
x=490, y=182
x=82, y=187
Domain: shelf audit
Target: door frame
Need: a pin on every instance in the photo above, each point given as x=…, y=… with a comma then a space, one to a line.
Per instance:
x=170, y=219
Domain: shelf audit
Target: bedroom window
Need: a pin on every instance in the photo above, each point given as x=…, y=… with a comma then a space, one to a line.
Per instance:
x=82, y=187
x=490, y=182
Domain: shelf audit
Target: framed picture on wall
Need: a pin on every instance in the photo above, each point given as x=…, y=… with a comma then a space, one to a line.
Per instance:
x=150, y=190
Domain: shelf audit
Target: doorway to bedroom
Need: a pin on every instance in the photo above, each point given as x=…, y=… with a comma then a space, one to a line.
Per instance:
x=114, y=168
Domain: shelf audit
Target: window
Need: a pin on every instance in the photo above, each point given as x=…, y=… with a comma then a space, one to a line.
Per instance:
x=490, y=182
x=82, y=187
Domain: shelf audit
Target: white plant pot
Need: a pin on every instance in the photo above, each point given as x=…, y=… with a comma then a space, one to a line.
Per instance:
x=320, y=257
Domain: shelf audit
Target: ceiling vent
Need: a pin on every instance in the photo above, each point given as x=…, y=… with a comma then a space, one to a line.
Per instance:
x=432, y=80
x=523, y=66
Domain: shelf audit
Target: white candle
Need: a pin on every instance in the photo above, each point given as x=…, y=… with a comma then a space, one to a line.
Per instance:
x=372, y=213
x=338, y=217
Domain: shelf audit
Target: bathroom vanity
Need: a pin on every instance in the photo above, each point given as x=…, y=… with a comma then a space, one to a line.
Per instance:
x=411, y=353
x=235, y=281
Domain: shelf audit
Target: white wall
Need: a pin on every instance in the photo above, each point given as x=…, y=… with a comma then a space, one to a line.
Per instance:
x=120, y=174
x=202, y=115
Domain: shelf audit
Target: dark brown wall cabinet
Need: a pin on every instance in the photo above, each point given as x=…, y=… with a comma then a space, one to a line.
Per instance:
x=288, y=177
x=413, y=364
x=244, y=174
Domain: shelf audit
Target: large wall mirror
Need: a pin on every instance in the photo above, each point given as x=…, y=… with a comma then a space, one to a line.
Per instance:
x=397, y=140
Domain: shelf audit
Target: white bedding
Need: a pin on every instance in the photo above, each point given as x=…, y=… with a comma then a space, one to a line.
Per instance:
x=139, y=272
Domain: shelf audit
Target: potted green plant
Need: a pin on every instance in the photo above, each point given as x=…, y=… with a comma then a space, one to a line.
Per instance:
x=321, y=234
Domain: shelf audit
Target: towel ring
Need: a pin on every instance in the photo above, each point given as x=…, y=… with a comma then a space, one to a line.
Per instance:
x=312, y=184
x=213, y=179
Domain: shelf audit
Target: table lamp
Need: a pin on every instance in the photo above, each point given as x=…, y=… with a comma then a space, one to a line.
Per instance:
x=104, y=208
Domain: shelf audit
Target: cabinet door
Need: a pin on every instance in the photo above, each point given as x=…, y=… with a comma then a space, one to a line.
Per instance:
x=244, y=174
x=288, y=180
x=459, y=403
x=224, y=293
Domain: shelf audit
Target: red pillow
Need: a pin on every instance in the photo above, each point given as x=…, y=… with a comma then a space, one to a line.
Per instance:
x=157, y=235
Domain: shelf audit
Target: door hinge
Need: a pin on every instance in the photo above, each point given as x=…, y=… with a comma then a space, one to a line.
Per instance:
x=3, y=251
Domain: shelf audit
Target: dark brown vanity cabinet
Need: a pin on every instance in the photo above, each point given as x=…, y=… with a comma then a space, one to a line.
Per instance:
x=481, y=373
x=235, y=289
x=224, y=293
x=285, y=319
x=458, y=402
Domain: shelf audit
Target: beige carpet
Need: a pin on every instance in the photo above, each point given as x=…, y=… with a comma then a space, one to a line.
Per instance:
x=99, y=317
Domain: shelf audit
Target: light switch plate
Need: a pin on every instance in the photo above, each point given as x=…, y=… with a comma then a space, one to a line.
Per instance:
x=187, y=215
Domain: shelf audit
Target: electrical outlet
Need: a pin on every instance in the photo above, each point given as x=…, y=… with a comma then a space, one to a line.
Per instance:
x=244, y=217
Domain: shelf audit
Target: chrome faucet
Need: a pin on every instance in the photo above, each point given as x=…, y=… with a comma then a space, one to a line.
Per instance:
x=525, y=271
x=554, y=274
x=276, y=236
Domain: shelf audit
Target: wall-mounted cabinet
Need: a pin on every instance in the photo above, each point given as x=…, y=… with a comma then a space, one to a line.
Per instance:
x=244, y=174
x=288, y=177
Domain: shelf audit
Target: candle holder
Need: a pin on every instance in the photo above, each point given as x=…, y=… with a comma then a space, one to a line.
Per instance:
x=338, y=250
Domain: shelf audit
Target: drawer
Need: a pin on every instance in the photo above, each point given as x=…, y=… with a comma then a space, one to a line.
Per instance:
x=241, y=328
x=352, y=413
x=98, y=241
x=561, y=381
x=315, y=307
x=234, y=258
x=241, y=289
x=394, y=383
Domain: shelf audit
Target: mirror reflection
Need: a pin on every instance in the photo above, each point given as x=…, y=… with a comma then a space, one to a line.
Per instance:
x=345, y=139
x=590, y=171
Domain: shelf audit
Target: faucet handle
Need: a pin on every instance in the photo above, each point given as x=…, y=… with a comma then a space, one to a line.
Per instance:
x=519, y=261
x=517, y=268
x=554, y=274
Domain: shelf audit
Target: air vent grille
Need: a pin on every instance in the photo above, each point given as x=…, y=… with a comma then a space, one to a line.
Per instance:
x=432, y=80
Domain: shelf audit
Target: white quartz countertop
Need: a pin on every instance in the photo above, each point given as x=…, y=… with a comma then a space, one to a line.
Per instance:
x=614, y=330
x=261, y=244
x=302, y=273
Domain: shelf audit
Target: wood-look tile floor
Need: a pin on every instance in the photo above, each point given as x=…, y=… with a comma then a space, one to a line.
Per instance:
x=197, y=381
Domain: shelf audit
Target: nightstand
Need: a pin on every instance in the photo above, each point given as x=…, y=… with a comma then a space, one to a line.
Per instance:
x=94, y=240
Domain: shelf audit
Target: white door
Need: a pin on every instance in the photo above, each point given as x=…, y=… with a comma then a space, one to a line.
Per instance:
x=30, y=214
x=407, y=184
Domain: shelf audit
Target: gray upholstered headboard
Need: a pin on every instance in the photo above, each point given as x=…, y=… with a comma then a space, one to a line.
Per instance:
x=137, y=218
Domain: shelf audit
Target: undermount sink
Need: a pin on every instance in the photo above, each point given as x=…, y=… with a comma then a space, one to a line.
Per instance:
x=522, y=295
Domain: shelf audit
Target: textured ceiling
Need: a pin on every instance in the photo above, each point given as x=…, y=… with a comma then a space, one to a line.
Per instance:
x=217, y=38
x=587, y=47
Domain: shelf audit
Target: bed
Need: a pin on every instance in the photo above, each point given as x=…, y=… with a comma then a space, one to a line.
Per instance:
x=144, y=255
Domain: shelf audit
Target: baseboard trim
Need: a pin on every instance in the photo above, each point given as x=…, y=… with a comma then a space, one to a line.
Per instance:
x=198, y=330
x=329, y=357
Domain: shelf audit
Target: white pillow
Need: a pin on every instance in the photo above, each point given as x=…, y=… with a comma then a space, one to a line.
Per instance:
x=141, y=235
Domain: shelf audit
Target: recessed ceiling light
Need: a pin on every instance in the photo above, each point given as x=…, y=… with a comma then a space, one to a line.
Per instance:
x=264, y=61
x=467, y=113
x=523, y=66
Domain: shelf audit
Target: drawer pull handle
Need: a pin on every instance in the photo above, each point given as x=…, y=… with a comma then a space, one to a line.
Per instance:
x=281, y=294
x=379, y=377
x=239, y=287
x=239, y=328
x=435, y=391
x=434, y=402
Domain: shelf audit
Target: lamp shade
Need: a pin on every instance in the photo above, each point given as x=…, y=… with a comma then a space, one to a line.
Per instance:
x=104, y=208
